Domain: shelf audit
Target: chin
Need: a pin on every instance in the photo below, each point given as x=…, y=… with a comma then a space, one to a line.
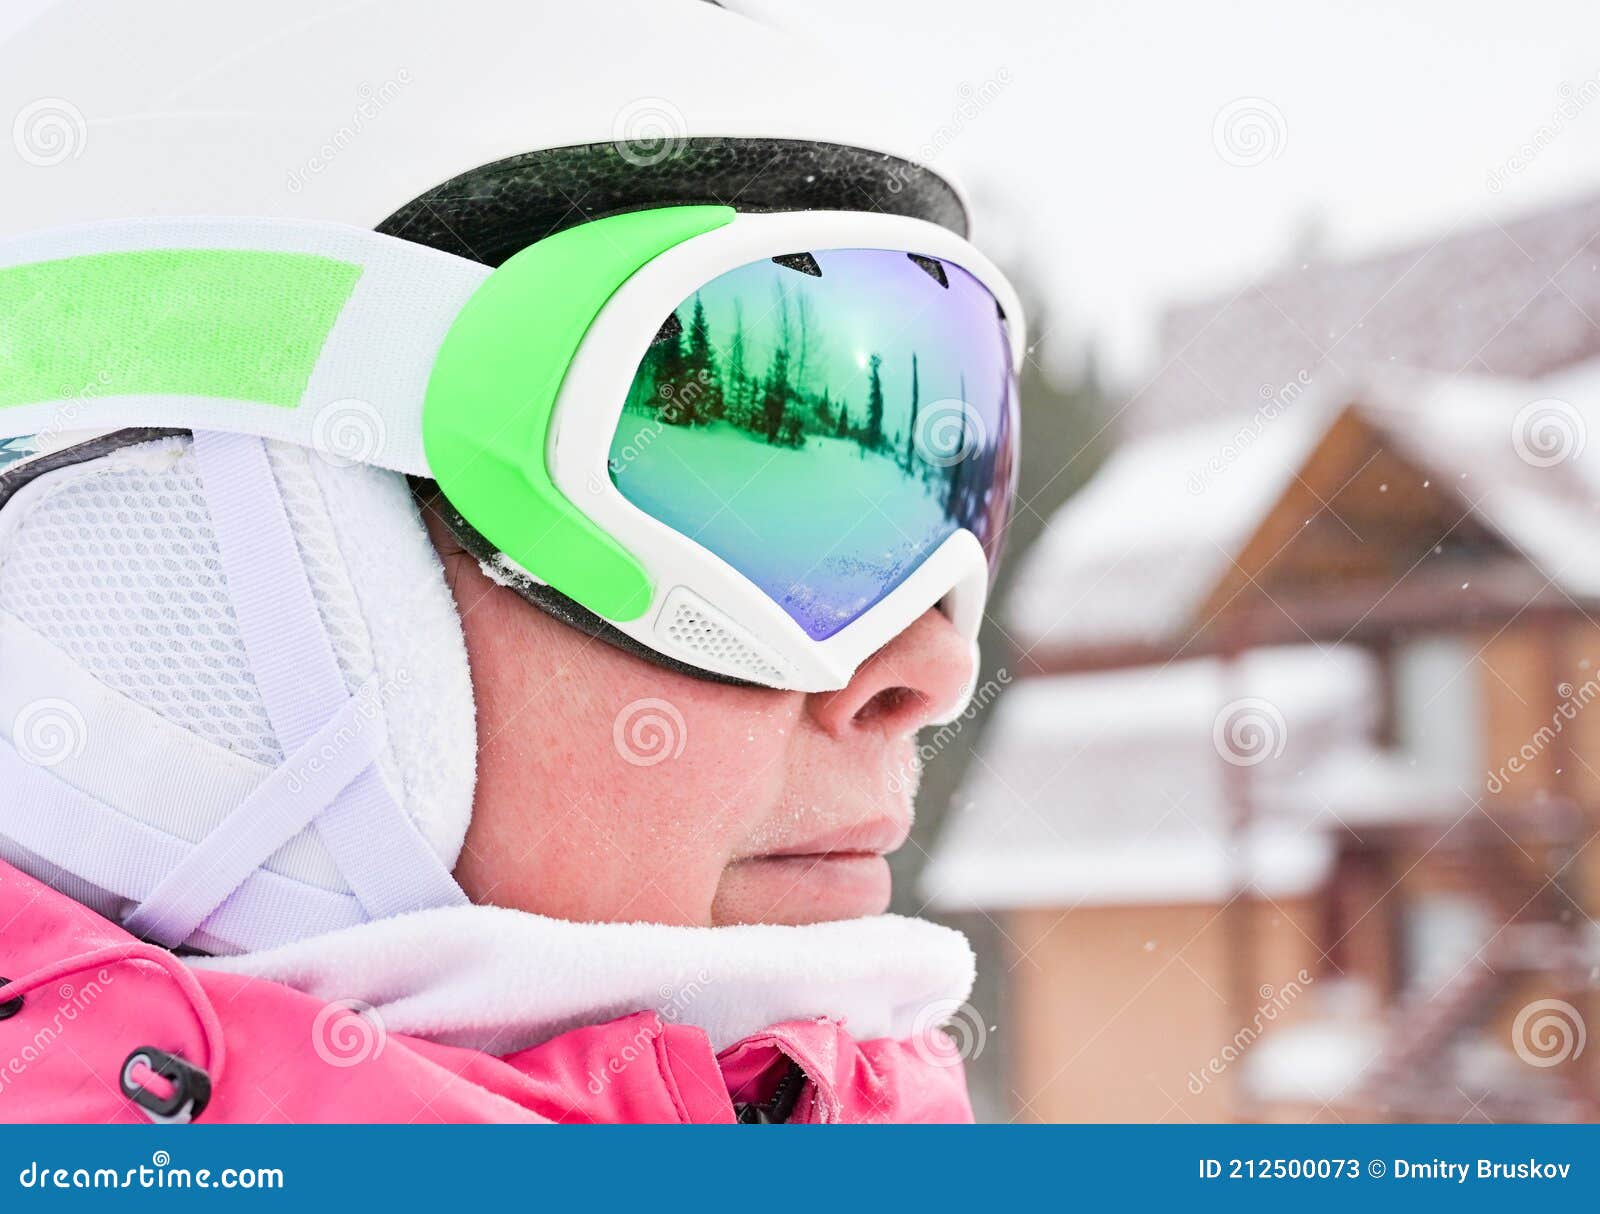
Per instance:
x=797, y=889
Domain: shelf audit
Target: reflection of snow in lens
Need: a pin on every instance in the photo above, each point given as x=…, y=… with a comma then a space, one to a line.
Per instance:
x=947, y=1032
x=47, y=732
x=347, y=1032
x=1548, y=432
x=347, y=432
x=1547, y=1032
x=1249, y=731
x=1249, y=131
x=649, y=130
x=647, y=732
x=948, y=431
x=49, y=131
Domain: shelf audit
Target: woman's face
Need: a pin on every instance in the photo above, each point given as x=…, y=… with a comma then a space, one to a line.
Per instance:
x=611, y=789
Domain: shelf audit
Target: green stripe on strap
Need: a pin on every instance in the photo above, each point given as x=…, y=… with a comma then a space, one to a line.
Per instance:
x=231, y=323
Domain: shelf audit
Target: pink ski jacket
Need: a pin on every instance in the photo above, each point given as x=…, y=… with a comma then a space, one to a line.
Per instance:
x=96, y=1026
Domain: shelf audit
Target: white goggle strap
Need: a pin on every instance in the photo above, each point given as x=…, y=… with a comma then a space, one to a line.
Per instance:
x=318, y=334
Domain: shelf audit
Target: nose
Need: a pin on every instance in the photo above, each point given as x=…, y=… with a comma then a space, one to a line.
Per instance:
x=914, y=679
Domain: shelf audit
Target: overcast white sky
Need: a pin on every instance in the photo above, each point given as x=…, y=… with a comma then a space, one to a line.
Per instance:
x=1098, y=162
x=1101, y=149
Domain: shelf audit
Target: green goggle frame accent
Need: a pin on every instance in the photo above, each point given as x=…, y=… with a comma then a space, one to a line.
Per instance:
x=486, y=418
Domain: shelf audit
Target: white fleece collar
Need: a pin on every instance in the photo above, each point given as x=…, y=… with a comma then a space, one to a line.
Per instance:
x=501, y=980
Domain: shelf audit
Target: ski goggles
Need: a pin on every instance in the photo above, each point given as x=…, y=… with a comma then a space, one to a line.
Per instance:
x=757, y=446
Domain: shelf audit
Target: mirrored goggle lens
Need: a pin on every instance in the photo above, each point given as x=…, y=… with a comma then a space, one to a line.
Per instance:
x=823, y=422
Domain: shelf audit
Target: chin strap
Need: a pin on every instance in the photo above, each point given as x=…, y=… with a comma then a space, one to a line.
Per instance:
x=380, y=852
x=309, y=781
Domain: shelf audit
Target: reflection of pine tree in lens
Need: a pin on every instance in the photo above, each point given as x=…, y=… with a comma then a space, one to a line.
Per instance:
x=955, y=499
x=671, y=373
x=703, y=396
x=911, y=430
x=824, y=413
x=873, y=438
x=775, y=399
x=737, y=392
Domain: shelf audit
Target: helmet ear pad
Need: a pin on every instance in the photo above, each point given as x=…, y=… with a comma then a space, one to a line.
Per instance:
x=499, y=569
x=110, y=571
x=498, y=209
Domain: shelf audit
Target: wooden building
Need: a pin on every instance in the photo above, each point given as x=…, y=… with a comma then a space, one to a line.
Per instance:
x=1292, y=811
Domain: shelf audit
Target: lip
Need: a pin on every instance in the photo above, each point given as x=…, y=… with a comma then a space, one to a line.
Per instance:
x=876, y=836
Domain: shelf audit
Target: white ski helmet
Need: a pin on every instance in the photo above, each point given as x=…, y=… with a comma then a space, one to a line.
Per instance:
x=150, y=727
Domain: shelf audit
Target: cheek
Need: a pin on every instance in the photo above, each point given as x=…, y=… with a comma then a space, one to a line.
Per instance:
x=609, y=789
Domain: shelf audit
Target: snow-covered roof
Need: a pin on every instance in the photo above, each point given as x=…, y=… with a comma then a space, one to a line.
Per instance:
x=1352, y=786
x=1519, y=450
x=1111, y=787
x=1130, y=556
x=1510, y=298
x=1130, y=560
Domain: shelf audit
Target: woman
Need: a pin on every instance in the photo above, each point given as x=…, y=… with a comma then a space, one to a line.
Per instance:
x=436, y=693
